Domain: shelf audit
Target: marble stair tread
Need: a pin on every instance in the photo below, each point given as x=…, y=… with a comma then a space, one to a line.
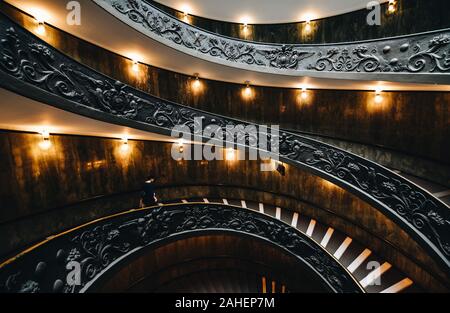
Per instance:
x=349, y=252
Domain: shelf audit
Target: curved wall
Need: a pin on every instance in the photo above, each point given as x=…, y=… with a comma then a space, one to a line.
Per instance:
x=412, y=16
x=163, y=269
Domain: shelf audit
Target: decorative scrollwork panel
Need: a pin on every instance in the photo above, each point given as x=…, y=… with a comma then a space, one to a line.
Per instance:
x=421, y=53
x=96, y=247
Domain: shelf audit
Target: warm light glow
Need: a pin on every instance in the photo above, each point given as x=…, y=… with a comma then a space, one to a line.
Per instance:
x=196, y=84
x=304, y=94
x=307, y=17
x=135, y=59
x=40, y=28
x=135, y=66
x=125, y=147
x=185, y=17
x=378, y=96
x=186, y=9
x=230, y=154
x=308, y=26
x=95, y=164
x=391, y=7
x=378, y=99
x=247, y=91
x=274, y=164
x=245, y=20
x=328, y=184
x=41, y=16
x=245, y=29
x=45, y=143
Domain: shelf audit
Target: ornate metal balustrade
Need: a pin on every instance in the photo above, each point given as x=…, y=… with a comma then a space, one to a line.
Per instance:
x=100, y=246
x=426, y=53
x=30, y=67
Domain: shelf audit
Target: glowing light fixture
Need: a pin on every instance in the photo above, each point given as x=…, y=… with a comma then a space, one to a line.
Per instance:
x=186, y=9
x=308, y=26
x=245, y=20
x=391, y=6
x=40, y=28
x=378, y=96
x=135, y=66
x=45, y=144
x=40, y=16
x=196, y=83
x=186, y=17
x=304, y=93
x=247, y=91
x=245, y=29
x=230, y=154
x=125, y=146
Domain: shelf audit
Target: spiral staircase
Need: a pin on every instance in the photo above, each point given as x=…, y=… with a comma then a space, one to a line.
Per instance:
x=114, y=245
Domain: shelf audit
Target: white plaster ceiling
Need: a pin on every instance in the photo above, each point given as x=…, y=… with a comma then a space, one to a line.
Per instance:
x=266, y=11
x=24, y=114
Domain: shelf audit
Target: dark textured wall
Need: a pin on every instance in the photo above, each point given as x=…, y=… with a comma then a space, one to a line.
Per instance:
x=416, y=123
x=38, y=188
x=76, y=168
x=204, y=255
x=412, y=16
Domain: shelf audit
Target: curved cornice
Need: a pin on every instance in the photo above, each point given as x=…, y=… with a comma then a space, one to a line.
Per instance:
x=30, y=67
x=420, y=58
x=100, y=245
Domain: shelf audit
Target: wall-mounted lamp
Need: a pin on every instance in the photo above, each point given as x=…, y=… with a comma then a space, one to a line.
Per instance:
x=304, y=93
x=378, y=96
x=392, y=6
x=41, y=16
x=245, y=29
x=45, y=143
x=230, y=154
x=247, y=91
x=196, y=85
x=40, y=28
x=185, y=17
x=308, y=26
x=135, y=66
x=125, y=146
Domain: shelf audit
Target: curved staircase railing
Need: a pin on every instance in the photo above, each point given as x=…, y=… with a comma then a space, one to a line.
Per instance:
x=391, y=59
x=101, y=245
x=30, y=67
